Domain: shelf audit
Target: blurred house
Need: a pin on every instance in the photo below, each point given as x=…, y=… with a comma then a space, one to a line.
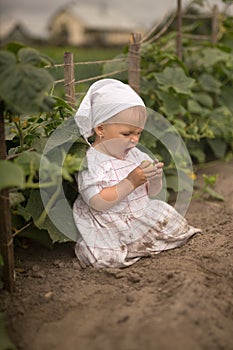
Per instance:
x=16, y=31
x=90, y=24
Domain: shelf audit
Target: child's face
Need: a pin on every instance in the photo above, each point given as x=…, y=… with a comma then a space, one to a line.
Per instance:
x=122, y=132
x=120, y=138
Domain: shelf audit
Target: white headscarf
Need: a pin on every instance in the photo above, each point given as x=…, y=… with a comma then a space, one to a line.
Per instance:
x=104, y=99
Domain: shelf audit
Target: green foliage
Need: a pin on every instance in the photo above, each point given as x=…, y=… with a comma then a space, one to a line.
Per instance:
x=30, y=122
x=34, y=210
x=45, y=170
x=23, y=82
x=174, y=78
x=207, y=190
x=195, y=98
x=194, y=95
x=11, y=175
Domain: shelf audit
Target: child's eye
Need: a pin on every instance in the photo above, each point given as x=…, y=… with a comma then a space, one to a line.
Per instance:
x=125, y=134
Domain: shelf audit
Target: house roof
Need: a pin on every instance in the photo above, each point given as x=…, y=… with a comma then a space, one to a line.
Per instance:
x=12, y=26
x=101, y=17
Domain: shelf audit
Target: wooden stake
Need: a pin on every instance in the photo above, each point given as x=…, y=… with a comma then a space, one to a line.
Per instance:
x=69, y=78
x=214, y=25
x=134, y=61
x=179, y=30
x=6, y=239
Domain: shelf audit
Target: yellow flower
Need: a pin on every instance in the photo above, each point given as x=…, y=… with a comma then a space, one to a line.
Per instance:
x=192, y=175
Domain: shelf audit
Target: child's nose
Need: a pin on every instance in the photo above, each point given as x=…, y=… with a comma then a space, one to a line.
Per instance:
x=134, y=138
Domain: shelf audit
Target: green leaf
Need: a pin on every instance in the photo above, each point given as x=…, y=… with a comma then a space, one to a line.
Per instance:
x=214, y=194
x=218, y=147
x=55, y=234
x=62, y=103
x=220, y=120
x=14, y=47
x=6, y=59
x=22, y=85
x=194, y=107
x=29, y=161
x=171, y=102
x=172, y=182
x=35, y=207
x=39, y=144
x=226, y=97
x=174, y=78
x=67, y=132
x=203, y=99
x=213, y=56
x=198, y=153
x=210, y=179
x=11, y=175
x=64, y=219
x=32, y=56
x=73, y=163
x=180, y=181
x=209, y=83
x=29, y=56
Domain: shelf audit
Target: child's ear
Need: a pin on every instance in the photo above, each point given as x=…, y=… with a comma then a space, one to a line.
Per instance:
x=99, y=130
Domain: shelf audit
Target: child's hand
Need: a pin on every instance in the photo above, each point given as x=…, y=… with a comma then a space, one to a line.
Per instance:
x=152, y=170
x=146, y=171
x=137, y=177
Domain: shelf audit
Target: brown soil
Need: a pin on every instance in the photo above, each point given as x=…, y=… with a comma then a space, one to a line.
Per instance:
x=179, y=299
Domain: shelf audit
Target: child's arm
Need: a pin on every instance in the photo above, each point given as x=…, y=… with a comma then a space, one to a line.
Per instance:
x=110, y=196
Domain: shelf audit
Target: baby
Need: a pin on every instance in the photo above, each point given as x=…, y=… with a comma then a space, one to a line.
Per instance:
x=117, y=213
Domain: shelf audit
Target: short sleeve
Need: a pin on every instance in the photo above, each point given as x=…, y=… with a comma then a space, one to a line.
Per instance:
x=92, y=179
x=90, y=183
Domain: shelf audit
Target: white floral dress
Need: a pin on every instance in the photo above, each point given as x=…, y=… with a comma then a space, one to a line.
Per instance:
x=138, y=226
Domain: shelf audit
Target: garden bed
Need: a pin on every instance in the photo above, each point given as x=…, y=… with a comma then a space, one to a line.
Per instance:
x=179, y=299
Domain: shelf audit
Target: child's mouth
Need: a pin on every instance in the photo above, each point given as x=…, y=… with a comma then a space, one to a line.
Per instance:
x=128, y=149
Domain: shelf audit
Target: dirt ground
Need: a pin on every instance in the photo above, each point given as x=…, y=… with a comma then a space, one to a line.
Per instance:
x=180, y=299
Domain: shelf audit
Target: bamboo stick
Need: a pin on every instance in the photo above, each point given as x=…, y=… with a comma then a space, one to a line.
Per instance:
x=214, y=25
x=179, y=30
x=134, y=61
x=69, y=78
x=6, y=239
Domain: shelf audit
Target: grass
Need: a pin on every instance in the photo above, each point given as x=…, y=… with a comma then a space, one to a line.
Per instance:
x=80, y=54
